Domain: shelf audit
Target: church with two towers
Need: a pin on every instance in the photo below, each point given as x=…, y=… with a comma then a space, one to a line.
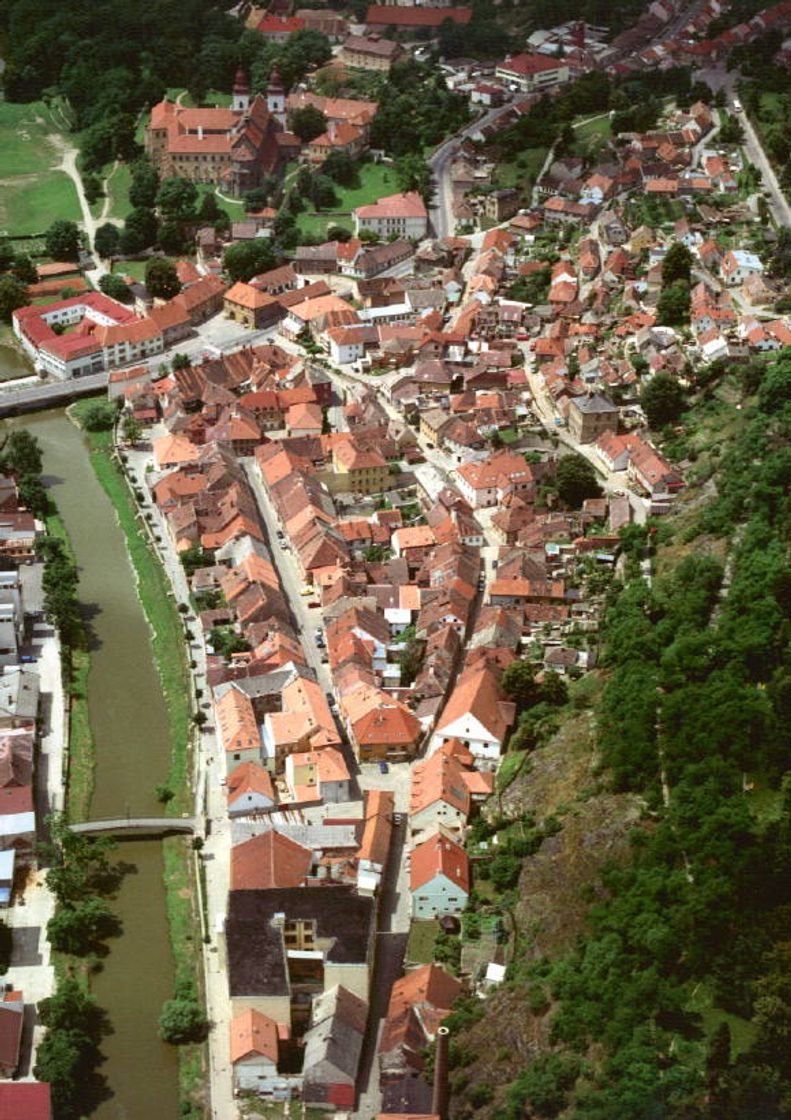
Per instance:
x=234, y=149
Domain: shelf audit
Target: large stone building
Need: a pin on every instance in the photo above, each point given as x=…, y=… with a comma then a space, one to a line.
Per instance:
x=590, y=416
x=235, y=148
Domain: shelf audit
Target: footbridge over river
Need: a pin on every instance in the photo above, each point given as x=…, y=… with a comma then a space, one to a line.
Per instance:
x=140, y=826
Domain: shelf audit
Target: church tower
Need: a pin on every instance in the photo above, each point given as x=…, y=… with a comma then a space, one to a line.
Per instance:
x=276, y=98
x=241, y=92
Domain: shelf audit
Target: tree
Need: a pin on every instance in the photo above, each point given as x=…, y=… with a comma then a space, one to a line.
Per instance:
x=576, y=480
x=115, y=287
x=308, y=123
x=774, y=392
x=162, y=279
x=677, y=264
x=144, y=186
x=410, y=659
x=63, y=241
x=13, y=294
x=553, y=690
x=139, y=232
x=193, y=558
x=519, y=682
x=338, y=233
x=323, y=192
x=7, y=254
x=24, y=269
x=662, y=399
x=673, y=304
x=99, y=417
x=209, y=210
x=33, y=494
x=731, y=131
x=22, y=453
x=414, y=174
x=177, y=199
x=131, y=429
x=107, y=240
x=340, y=167
x=256, y=199
x=82, y=928
x=182, y=1021
x=247, y=258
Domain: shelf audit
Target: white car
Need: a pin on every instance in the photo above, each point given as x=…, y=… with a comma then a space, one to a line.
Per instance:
x=737, y=105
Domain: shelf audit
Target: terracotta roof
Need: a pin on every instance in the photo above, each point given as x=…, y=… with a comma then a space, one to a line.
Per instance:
x=254, y=1033
x=478, y=693
x=25, y=1100
x=391, y=725
x=439, y=856
x=405, y=205
x=267, y=861
x=249, y=777
x=245, y=295
x=237, y=723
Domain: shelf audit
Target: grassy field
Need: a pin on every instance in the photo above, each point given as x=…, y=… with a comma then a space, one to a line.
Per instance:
x=136, y=269
x=420, y=947
x=509, y=767
x=213, y=98
x=376, y=180
x=234, y=210
x=521, y=172
x=31, y=203
x=592, y=134
x=32, y=192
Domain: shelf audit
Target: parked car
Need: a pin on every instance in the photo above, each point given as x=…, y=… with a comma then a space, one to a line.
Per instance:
x=306, y=591
x=331, y=700
x=280, y=535
x=383, y=768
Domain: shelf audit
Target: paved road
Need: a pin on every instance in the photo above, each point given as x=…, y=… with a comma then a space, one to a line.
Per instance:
x=441, y=210
x=209, y=779
x=719, y=78
x=35, y=397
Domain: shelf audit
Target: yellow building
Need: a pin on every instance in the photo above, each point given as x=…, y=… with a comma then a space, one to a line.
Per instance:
x=365, y=472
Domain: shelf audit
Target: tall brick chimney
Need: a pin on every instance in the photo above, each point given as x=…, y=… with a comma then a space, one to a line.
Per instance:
x=439, y=1100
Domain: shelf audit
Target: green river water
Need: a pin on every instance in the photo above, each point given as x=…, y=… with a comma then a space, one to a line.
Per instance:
x=129, y=723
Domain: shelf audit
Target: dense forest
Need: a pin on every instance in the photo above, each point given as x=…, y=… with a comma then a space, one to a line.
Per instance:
x=694, y=721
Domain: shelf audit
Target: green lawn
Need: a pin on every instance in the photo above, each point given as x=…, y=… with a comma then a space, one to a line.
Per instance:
x=24, y=147
x=521, y=172
x=32, y=193
x=213, y=98
x=592, y=134
x=118, y=189
x=509, y=767
x=420, y=947
x=135, y=269
x=235, y=210
x=376, y=180
x=33, y=202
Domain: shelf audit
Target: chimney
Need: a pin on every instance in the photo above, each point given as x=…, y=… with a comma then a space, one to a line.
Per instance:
x=439, y=1099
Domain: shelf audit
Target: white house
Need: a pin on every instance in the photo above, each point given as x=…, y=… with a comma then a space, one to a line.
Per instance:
x=528, y=72
x=254, y=1053
x=250, y=790
x=738, y=264
x=478, y=714
x=403, y=214
x=346, y=344
x=439, y=877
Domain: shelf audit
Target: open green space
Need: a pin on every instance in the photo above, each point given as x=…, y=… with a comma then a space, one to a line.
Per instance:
x=31, y=203
x=521, y=172
x=592, y=134
x=24, y=145
x=214, y=98
x=233, y=208
x=420, y=947
x=32, y=191
x=376, y=181
x=135, y=269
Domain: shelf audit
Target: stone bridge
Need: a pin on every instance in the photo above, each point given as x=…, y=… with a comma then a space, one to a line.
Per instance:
x=139, y=826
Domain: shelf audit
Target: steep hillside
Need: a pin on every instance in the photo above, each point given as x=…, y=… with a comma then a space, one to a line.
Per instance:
x=650, y=977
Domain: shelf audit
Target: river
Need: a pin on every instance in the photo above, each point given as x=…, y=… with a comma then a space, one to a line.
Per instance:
x=129, y=723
